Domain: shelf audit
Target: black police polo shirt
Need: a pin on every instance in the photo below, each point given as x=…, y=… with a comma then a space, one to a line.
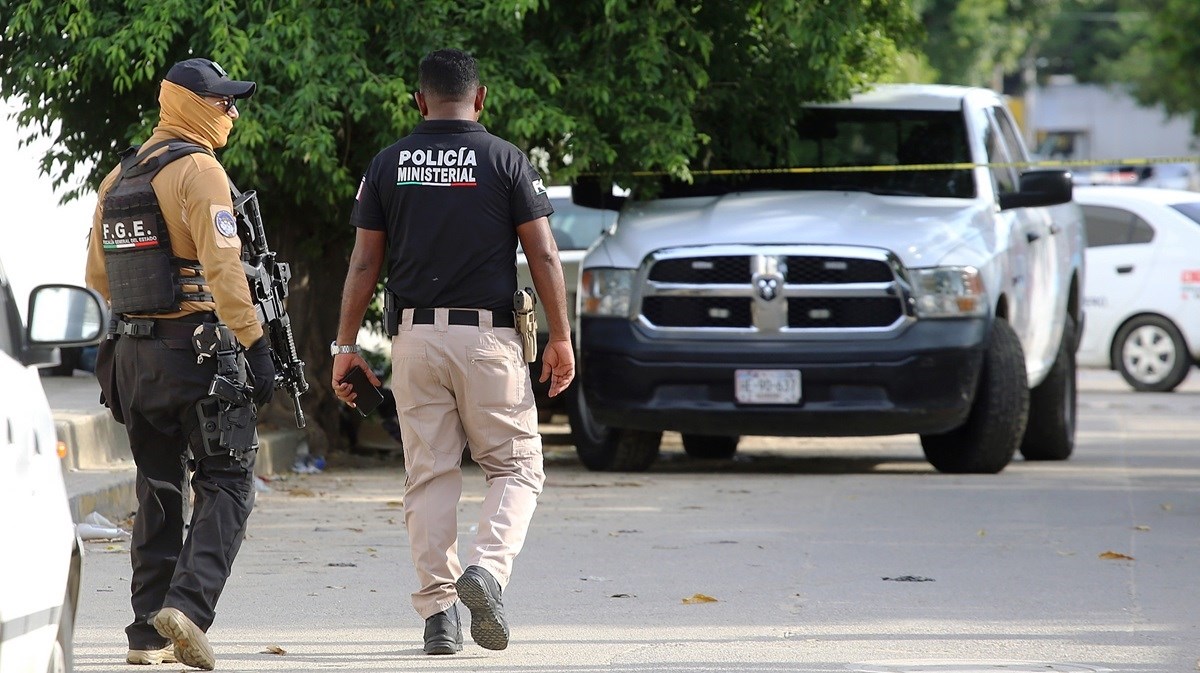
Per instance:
x=450, y=196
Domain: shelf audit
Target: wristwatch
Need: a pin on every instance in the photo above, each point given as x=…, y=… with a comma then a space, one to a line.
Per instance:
x=336, y=349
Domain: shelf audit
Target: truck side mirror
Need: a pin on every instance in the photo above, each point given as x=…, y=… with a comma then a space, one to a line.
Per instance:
x=1040, y=188
x=593, y=192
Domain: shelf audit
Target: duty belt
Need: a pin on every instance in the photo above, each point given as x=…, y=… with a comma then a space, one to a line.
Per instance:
x=162, y=328
x=459, y=316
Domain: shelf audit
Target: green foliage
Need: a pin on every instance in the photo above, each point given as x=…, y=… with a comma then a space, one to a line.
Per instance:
x=1085, y=41
x=596, y=86
x=973, y=42
x=1161, y=61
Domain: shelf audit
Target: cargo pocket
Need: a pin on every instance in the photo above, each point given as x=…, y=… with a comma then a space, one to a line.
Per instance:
x=494, y=381
x=106, y=376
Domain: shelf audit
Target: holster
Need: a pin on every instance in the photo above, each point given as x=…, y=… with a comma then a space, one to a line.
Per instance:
x=526, y=320
x=227, y=416
x=391, y=314
x=227, y=430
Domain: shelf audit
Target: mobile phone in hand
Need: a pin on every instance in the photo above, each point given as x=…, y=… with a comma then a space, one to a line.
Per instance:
x=369, y=397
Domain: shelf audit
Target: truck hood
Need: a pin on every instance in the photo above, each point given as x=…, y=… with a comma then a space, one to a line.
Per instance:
x=921, y=231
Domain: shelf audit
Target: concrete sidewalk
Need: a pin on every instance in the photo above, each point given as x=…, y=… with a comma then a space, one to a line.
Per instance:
x=98, y=467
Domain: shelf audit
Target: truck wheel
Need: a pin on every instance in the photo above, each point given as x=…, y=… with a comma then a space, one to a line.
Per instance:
x=604, y=449
x=718, y=447
x=1151, y=354
x=1050, y=434
x=985, y=444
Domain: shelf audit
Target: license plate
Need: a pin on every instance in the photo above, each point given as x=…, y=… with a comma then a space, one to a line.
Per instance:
x=767, y=386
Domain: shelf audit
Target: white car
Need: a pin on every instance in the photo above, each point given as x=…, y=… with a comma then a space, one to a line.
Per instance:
x=42, y=559
x=1142, y=287
x=575, y=228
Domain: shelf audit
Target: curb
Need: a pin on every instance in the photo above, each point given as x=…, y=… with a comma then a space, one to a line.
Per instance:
x=100, y=474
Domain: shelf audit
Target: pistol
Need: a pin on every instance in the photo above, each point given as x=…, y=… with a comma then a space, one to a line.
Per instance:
x=523, y=303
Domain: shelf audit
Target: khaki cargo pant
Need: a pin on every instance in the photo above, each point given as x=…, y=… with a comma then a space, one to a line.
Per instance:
x=456, y=386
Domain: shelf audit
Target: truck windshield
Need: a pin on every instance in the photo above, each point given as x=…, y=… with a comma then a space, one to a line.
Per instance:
x=845, y=149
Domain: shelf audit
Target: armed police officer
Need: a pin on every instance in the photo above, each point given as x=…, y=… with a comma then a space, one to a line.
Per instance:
x=447, y=205
x=165, y=252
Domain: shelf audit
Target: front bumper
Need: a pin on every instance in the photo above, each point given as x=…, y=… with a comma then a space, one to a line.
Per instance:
x=922, y=381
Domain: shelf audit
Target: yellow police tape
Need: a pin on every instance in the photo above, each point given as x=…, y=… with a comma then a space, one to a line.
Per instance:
x=1072, y=163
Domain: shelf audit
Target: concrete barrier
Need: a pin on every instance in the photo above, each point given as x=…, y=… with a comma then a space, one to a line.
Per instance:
x=99, y=469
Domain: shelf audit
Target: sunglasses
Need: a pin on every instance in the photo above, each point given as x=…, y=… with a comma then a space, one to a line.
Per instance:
x=226, y=103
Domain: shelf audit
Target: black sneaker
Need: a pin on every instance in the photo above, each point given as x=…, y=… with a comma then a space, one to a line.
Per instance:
x=480, y=592
x=443, y=632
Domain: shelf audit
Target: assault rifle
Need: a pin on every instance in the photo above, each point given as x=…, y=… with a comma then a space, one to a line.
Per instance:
x=268, y=280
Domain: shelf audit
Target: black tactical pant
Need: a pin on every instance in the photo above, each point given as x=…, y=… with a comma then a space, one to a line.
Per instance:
x=158, y=383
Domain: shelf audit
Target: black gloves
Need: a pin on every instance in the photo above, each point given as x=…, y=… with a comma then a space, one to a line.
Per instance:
x=262, y=371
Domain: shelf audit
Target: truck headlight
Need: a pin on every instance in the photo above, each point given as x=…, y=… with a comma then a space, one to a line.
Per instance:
x=949, y=292
x=605, y=292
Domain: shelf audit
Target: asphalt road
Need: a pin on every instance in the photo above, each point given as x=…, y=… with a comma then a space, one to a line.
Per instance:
x=821, y=555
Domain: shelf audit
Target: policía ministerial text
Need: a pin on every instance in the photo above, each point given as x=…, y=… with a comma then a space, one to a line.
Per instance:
x=437, y=167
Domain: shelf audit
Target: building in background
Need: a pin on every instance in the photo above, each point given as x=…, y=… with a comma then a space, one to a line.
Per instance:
x=1070, y=121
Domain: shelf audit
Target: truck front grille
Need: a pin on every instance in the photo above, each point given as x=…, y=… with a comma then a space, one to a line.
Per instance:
x=816, y=312
x=773, y=291
x=698, y=311
x=702, y=270
x=809, y=270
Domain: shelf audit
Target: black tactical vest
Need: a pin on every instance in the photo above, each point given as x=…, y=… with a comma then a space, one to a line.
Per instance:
x=143, y=275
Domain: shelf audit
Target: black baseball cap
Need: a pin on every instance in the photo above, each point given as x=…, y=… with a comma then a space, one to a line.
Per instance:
x=204, y=77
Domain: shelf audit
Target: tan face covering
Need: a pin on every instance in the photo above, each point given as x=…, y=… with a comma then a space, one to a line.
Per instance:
x=187, y=115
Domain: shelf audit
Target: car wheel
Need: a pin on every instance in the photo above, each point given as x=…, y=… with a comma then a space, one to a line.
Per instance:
x=605, y=449
x=987, y=441
x=68, y=362
x=1050, y=434
x=719, y=447
x=1151, y=354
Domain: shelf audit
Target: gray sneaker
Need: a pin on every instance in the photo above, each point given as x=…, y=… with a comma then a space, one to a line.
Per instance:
x=163, y=655
x=480, y=592
x=190, y=644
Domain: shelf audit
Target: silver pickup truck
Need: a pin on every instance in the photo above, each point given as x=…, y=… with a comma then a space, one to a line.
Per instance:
x=906, y=276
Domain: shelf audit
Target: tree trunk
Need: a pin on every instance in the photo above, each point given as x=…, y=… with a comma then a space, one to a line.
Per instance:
x=314, y=300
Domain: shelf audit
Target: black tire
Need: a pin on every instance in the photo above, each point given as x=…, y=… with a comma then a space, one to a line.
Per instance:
x=715, y=447
x=605, y=449
x=987, y=441
x=1050, y=434
x=1151, y=354
x=68, y=362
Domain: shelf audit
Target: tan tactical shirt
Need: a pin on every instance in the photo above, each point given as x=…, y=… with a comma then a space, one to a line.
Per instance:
x=191, y=192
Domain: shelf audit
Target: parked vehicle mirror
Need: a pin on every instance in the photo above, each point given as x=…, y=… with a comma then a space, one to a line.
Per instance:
x=65, y=315
x=589, y=192
x=1040, y=188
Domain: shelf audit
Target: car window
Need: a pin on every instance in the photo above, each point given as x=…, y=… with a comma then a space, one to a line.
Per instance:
x=575, y=227
x=1115, y=226
x=1008, y=129
x=1191, y=210
x=1005, y=176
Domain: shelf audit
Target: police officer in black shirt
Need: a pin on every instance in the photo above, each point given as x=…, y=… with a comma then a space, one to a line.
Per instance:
x=447, y=206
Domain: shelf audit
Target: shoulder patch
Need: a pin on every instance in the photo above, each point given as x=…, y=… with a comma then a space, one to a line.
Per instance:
x=226, y=223
x=539, y=187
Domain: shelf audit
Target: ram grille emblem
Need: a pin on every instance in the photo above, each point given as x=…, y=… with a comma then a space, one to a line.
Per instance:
x=767, y=286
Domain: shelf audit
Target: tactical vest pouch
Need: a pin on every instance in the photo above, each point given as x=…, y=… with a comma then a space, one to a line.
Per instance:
x=140, y=282
x=143, y=275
